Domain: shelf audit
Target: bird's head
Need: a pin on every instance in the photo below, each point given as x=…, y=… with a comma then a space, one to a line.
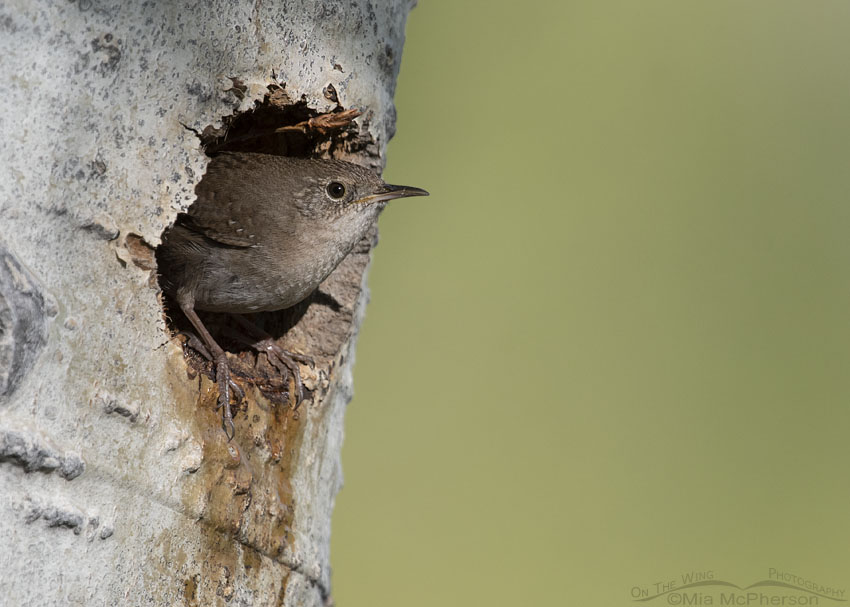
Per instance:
x=335, y=188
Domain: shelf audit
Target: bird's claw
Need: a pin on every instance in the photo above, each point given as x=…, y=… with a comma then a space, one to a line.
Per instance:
x=284, y=361
x=227, y=425
x=302, y=358
x=280, y=359
x=225, y=386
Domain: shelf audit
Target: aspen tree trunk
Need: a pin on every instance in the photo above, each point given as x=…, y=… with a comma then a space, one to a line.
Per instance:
x=117, y=483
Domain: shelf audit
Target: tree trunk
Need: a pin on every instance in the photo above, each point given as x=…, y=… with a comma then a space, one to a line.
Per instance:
x=117, y=483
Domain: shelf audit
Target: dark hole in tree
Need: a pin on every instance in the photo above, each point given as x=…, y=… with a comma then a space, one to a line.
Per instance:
x=281, y=126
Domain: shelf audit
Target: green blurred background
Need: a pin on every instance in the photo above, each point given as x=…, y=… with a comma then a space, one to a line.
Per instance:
x=613, y=345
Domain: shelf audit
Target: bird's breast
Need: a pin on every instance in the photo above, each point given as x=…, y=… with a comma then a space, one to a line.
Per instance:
x=277, y=274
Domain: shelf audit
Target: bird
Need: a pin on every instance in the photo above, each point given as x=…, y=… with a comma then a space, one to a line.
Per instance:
x=262, y=234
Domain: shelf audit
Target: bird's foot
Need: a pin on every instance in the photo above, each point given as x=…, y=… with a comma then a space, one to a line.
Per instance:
x=225, y=386
x=224, y=380
x=282, y=360
x=285, y=362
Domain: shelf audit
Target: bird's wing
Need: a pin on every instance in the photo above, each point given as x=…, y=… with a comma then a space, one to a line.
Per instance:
x=232, y=239
x=225, y=209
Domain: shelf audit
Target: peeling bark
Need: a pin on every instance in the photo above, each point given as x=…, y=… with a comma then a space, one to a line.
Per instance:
x=117, y=484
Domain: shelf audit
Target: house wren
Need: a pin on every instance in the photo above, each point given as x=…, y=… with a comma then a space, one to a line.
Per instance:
x=262, y=234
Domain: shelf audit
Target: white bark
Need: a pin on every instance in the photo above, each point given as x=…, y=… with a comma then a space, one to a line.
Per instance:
x=117, y=485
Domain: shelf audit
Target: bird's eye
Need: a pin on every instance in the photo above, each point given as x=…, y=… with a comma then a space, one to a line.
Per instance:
x=336, y=190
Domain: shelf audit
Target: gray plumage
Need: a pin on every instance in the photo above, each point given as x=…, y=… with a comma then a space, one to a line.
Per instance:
x=264, y=232
x=262, y=235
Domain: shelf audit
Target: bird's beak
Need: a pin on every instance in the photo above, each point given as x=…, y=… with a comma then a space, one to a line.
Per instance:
x=390, y=192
